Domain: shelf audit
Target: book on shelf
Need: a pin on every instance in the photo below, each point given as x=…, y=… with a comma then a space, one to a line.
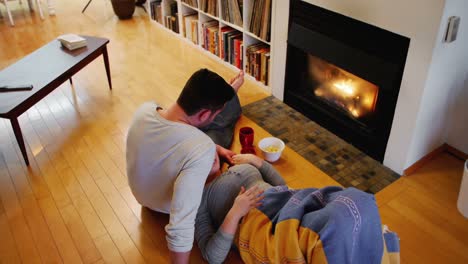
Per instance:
x=173, y=8
x=212, y=32
x=237, y=53
x=167, y=22
x=205, y=34
x=263, y=67
x=228, y=46
x=194, y=25
x=241, y=55
x=267, y=69
x=172, y=23
x=192, y=3
x=260, y=19
x=259, y=55
x=266, y=21
x=231, y=11
x=189, y=21
x=216, y=42
x=209, y=6
x=258, y=62
x=172, y=20
x=156, y=11
x=223, y=44
x=159, y=16
x=249, y=64
x=221, y=38
x=175, y=21
x=233, y=40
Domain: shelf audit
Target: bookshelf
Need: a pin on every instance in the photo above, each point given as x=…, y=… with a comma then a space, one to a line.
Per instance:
x=235, y=32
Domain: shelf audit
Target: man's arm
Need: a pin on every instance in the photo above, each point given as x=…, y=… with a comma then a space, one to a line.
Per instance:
x=225, y=154
x=180, y=257
x=186, y=197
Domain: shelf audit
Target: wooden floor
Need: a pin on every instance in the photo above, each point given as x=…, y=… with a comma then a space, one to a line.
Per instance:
x=73, y=204
x=422, y=209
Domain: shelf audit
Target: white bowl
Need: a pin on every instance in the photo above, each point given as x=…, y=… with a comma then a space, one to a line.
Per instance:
x=269, y=142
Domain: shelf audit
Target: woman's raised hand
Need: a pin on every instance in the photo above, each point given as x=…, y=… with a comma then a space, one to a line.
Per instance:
x=247, y=200
x=244, y=201
x=247, y=159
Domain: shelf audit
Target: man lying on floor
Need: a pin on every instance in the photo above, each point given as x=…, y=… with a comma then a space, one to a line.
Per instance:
x=251, y=207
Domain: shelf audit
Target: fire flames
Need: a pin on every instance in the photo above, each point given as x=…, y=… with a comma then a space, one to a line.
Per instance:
x=346, y=91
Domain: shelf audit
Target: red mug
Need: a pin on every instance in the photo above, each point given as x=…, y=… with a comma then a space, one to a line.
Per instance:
x=248, y=150
x=246, y=138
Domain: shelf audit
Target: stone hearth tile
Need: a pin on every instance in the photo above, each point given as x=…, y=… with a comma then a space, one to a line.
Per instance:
x=340, y=160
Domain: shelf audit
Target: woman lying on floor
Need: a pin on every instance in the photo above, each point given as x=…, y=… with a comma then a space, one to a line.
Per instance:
x=251, y=207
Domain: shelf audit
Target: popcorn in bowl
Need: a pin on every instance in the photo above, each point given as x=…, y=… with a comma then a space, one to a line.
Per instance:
x=272, y=148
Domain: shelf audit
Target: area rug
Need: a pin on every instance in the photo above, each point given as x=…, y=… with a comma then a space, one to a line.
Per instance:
x=343, y=162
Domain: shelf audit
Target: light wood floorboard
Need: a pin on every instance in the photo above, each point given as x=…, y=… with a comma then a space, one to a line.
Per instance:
x=422, y=209
x=73, y=203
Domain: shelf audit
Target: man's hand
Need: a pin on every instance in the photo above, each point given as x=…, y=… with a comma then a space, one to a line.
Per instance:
x=225, y=154
x=248, y=159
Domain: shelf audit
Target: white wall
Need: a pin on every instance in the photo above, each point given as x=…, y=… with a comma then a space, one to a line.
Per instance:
x=444, y=87
x=458, y=129
x=420, y=21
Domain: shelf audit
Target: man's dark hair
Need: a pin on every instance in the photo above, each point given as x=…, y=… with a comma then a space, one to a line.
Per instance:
x=204, y=90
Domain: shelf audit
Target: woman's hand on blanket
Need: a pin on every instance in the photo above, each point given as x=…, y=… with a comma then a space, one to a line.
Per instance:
x=248, y=159
x=247, y=200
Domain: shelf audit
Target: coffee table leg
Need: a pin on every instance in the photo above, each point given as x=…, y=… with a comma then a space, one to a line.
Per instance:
x=106, y=63
x=71, y=81
x=86, y=6
x=19, y=138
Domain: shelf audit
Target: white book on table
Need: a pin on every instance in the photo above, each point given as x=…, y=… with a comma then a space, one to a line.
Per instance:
x=72, y=41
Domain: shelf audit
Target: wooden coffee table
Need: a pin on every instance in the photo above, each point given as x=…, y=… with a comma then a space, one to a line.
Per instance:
x=46, y=69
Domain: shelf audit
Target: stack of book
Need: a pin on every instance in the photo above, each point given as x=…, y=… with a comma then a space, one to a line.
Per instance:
x=210, y=36
x=258, y=62
x=192, y=3
x=172, y=20
x=260, y=19
x=172, y=23
x=209, y=6
x=190, y=27
x=72, y=41
x=231, y=46
x=156, y=10
x=232, y=11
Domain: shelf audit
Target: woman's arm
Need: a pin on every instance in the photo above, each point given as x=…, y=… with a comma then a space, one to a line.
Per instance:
x=245, y=201
x=216, y=245
x=269, y=174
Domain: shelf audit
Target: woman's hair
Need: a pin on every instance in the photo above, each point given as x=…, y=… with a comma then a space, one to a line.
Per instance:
x=204, y=90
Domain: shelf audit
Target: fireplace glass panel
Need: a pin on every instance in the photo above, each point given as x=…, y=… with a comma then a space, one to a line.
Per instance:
x=341, y=89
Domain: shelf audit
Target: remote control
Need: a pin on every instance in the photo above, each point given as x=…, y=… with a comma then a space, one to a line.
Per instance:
x=12, y=88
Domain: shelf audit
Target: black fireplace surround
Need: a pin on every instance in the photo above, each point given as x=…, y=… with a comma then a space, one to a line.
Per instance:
x=371, y=53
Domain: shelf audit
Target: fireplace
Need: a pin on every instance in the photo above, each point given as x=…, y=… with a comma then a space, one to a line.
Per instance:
x=342, y=90
x=344, y=74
